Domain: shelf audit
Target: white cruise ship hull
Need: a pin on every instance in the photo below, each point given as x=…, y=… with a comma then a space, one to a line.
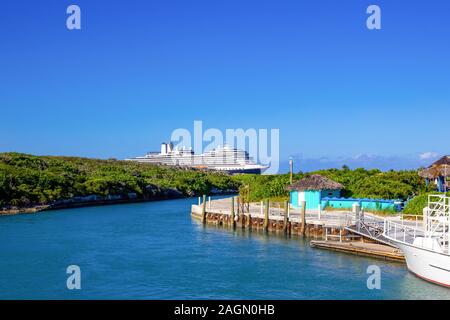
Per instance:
x=426, y=264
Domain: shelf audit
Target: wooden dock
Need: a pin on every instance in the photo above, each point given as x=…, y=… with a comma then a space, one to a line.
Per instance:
x=229, y=212
x=352, y=232
x=362, y=249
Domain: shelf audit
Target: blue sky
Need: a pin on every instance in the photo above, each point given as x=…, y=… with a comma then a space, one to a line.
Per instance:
x=137, y=70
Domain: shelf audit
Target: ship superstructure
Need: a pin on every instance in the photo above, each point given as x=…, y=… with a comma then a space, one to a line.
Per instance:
x=226, y=159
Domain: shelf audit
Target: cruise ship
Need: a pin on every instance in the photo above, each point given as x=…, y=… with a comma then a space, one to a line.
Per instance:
x=224, y=159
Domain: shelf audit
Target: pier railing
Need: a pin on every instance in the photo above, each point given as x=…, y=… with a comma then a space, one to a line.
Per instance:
x=277, y=213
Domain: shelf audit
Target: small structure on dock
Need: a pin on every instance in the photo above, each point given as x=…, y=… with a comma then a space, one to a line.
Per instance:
x=438, y=172
x=312, y=189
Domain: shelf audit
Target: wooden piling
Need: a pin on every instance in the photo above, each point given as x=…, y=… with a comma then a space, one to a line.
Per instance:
x=286, y=218
x=238, y=202
x=303, y=217
x=266, y=216
x=232, y=212
x=204, y=209
x=249, y=221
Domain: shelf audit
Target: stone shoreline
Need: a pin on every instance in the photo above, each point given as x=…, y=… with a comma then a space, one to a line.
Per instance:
x=47, y=207
x=92, y=203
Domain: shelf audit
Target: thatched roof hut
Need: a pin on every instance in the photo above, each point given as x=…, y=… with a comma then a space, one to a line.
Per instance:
x=439, y=168
x=444, y=170
x=429, y=173
x=442, y=161
x=315, y=182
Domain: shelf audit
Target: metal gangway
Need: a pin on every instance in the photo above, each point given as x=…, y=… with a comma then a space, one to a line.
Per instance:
x=368, y=226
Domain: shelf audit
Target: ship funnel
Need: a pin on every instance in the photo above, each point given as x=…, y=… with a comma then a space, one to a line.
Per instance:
x=163, y=148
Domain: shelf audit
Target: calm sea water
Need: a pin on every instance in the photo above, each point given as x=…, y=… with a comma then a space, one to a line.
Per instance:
x=155, y=250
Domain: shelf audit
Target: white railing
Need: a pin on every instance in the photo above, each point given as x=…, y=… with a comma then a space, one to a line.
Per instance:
x=436, y=216
x=434, y=234
x=400, y=232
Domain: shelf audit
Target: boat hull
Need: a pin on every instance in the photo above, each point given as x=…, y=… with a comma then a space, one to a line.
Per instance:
x=426, y=264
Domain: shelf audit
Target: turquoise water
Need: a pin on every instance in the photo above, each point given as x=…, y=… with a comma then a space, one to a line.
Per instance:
x=155, y=250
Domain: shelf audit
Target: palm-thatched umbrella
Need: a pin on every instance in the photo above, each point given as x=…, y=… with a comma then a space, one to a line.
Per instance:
x=441, y=161
x=439, y=170
x=429, y=173
x=444, y=170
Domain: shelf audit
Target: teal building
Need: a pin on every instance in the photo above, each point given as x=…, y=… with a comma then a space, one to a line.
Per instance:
x=313, y=189
x=316, y=189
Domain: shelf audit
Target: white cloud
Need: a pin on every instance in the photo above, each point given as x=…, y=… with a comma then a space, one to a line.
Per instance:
x=428, y=155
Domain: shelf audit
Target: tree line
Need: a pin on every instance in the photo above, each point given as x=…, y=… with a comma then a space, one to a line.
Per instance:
x=27, y=180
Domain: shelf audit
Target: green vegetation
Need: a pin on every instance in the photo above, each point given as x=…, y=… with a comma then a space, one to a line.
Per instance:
x=416, y=205
x=361, y=183
x=358, y=183
x=264, y=186
x=27, y=180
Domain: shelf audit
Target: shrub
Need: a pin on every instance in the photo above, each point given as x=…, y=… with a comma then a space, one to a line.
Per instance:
x=417, y=204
